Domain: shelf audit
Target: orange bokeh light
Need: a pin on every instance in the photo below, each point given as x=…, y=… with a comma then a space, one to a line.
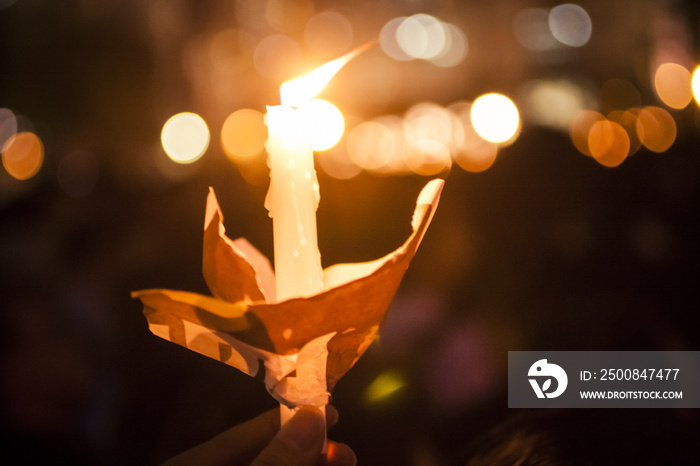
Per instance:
x=243, y=135
x=608, y=142
x=581, y=127
x=23, y=155
x=673, y=85
x=628, y=119
x=656, y=128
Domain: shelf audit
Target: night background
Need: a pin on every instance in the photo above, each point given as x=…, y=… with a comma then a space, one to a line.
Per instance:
x=536, y=245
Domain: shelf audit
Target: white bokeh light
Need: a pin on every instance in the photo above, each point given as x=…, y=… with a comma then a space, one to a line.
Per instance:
x=495, y=118
x=570, y=24
x=326, y=123
x=421, y=36
x=185, y=137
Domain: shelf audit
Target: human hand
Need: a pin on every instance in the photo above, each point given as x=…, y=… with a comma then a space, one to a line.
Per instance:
x=261, y=442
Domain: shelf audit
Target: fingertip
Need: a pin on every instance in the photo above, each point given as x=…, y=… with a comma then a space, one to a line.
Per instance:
x=331, y=416
x=305, y=429
x=338, y=454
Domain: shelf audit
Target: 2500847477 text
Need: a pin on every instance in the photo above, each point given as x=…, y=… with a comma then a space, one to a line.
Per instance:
x=629, y=374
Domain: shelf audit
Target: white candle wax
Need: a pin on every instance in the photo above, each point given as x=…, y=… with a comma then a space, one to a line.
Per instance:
x=294, y=196
x=292, y=202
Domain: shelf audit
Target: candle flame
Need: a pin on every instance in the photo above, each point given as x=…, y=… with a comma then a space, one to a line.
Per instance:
x=299, y=90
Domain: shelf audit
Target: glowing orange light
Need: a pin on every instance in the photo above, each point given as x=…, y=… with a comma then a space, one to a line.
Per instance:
x=695, y=84
x=371, y=145
x=428, y=157
x=478, y=158
x=243, y=135
x=338, y=165
x=23, y=155
x=656, y=128
x=672, y=83
x=302, y=89
x=469, y=150
x=581, y=126
x=608, y=143
x=628, y=119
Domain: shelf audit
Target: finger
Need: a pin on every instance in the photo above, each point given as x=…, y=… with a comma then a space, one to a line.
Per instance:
x=331, y=416
x=237, y=445
x=338, y=454
x=299, y=441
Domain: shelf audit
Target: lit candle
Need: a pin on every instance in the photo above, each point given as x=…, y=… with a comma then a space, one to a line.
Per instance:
x=292, y=202
x=294, y=195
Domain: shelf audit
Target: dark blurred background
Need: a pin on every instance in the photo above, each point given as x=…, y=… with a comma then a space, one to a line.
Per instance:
x=545, y=248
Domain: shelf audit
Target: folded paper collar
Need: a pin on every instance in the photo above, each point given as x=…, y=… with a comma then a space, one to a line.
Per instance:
x=305, y=344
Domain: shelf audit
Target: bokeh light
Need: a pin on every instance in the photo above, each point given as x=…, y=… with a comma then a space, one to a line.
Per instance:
x=325, y=122
x=425, y=37
x=371, y=145
x=478, y=157
x=495, y=117
x=608, y=143
x=395, y=160
x=553, y=103
x=427, y=120
x=337, y=164
x=470, y=151
x=672, y=83
x=570, y=24
x=185, y=137
x=388, y=42
x=581, y=127
x=384, y=386
x=695, y=84
x=427, y=157
x=23, y=155
x=455, y=49
x=428, y=134
x=421, y=36
x=328, y=34
x=8, y=125
x=243, y=135
x=628, y=119
x=656, y=128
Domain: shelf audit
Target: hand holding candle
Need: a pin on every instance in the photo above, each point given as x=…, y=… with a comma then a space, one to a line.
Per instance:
x=321, y=322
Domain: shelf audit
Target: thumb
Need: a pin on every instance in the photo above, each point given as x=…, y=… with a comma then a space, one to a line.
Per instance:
x=299, y=441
